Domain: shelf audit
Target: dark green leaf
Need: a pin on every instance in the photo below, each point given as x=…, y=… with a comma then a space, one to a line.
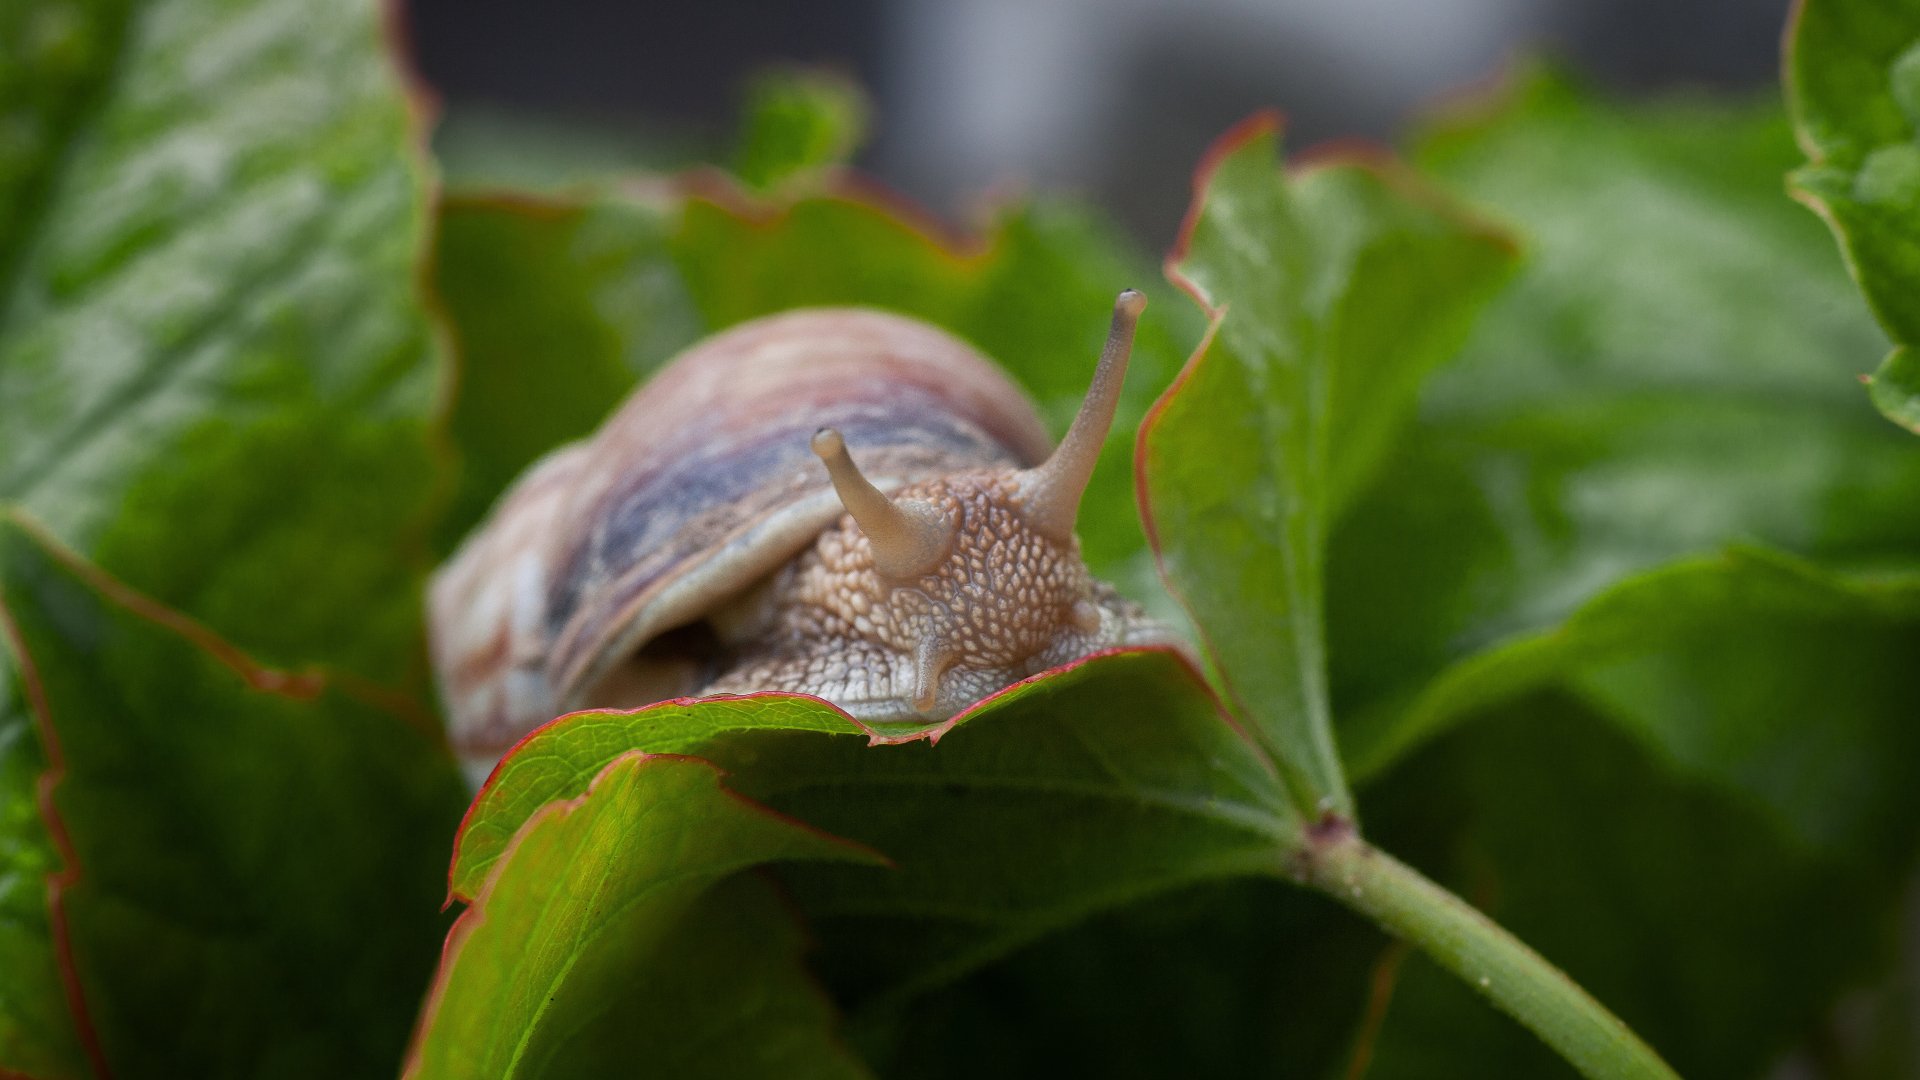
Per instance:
x=37, y=1033
x=798, y=122
x=1720, y=938
x=55, y=59
x=604, y=940
x=1224, y=981
x=1333, y=294
x=1117, y=776
x=1671, y=375
x=1719, y=663
x=1854, y=83
x=252, y=852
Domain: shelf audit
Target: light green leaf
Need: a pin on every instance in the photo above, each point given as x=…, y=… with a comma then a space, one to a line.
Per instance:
x=1853, y=70
x=798, y=122
x=1332, y=294
x=607, y=938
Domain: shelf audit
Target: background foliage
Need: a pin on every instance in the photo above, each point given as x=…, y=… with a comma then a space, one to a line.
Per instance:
x=1557, y=438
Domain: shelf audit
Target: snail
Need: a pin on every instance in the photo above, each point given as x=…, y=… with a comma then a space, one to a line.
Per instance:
x=833, y=501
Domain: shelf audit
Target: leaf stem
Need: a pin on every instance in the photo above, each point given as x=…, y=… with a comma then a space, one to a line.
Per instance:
x=1337, y=861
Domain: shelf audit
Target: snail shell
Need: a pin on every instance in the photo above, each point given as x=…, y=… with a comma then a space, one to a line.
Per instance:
x=715, y=536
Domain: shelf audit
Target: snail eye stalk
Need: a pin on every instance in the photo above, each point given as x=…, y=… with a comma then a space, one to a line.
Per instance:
x=908, y=538
x=1051, y=491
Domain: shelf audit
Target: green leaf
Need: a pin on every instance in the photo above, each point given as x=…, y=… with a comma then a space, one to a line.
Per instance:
x=558, y=308
x=1332, y=294
x=1222, y=981
x=798, y=122
x=1721, y=938
x=54, y=59
x=1117, y=775
x=218, y=818
x=1853, y=69
x=607, y=935
x=215, y=371
x=1668, y=377
x=1716, y=662
x=215, y=375
x=1895, y=388
x=559, y=762
x=37, y=1033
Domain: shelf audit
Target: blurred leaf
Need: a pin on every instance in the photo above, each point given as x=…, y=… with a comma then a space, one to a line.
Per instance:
x=1668, y=377
x=1718, y=936
x=55, y=58
x=1895, y=388
x=604, y=937
x=1226, y=980
x=558, y=307
x=215, y=375
x=1718, y=663
x=215, y=372
x=1332, y=295
x=798, y=121
x=1854, y=83
x=226, y=911
x=1117, y=776
x=489, y=149
x=37, y=1033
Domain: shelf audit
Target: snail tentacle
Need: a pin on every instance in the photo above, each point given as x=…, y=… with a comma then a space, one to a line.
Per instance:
x=908, y=538
x=1051, y=491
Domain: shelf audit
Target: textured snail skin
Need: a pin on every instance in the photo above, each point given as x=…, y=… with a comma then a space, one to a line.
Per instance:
x=701, y=503
x=1006, y=602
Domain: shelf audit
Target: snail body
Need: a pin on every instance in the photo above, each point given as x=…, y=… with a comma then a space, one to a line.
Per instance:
x=716, y=536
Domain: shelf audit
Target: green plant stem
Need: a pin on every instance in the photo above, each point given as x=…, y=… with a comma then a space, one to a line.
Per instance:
x=1518, y=980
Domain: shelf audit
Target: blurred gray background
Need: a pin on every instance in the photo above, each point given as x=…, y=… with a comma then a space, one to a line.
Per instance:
x=1110, y=98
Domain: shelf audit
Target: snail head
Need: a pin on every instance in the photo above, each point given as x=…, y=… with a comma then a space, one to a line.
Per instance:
x=977, y=576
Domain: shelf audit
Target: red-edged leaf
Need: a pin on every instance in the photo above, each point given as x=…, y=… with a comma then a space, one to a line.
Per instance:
x=607, y=937
x=1072, y=792
x=248, y=854
x=1331, y=292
